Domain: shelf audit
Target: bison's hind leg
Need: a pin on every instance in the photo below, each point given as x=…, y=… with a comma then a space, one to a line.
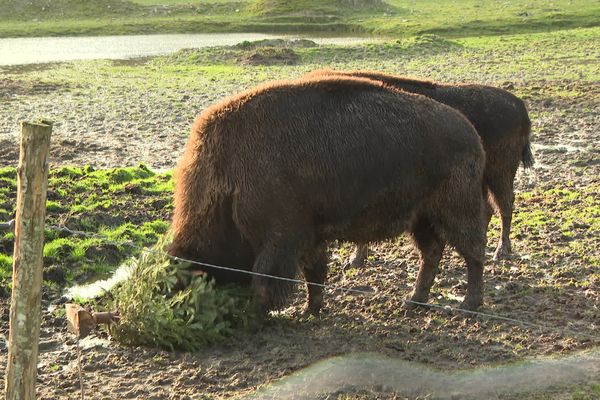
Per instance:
x=504, y=199
x=501, y=169
x=359, y=257
x=473, y=251
x=459, y=215
x=430, y=247
x=314, y=268
x=465, y=231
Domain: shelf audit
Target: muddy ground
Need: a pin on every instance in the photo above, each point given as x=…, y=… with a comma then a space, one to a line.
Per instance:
x=558, y=290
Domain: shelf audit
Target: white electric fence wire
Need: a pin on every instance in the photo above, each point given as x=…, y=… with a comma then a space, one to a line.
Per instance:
x=446, y=308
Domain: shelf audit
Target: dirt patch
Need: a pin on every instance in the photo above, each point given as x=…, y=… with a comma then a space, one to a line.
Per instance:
x=65, y=150
x=109, y=252
x=22, y=69
x=10, y=152
x=132, y=62
x=281, y=43
x=270, y=56
x=10, y=88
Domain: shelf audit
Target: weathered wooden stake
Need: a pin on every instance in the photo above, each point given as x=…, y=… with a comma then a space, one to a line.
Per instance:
x=25, y=306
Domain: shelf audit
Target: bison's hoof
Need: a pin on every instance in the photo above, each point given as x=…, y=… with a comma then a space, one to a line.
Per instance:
x=356, y=262
x=502, y=252
x=413, y=302
x=358, y=258
x=311, y=311
x=408, y=305
x=471, y=303
x=353, y=263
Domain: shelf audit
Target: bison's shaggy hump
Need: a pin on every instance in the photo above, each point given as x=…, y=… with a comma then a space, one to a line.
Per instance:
x=225, y=107
x=500, y=118
x=397, y=81
x=270, y=175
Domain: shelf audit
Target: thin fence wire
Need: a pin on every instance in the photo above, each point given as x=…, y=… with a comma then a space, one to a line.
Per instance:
x=335, y=288
x=7, y=226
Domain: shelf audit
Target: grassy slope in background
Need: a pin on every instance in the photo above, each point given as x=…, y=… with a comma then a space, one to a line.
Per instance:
x=391, y=18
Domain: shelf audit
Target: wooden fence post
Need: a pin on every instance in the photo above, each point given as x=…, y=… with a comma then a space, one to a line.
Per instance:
x=25, y=306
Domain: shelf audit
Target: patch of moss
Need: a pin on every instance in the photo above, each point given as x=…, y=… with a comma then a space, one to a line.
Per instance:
x=127, y=205
x=560, y=226
x=6, y=262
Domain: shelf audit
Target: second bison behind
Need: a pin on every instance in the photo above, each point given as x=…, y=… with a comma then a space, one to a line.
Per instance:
x=271, y=175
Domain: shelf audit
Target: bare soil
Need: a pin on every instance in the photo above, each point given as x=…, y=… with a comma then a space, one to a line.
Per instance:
x=560, y=292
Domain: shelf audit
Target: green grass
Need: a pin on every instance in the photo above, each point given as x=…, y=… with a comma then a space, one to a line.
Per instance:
x=566, y=214
x=161, y=304
x=124, y=205
x=567, y=54
x=395, y=18
x=187, y=2
x=558, y=228
x=5, y=266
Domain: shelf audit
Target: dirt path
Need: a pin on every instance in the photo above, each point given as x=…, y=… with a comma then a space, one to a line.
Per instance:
x=61, y=49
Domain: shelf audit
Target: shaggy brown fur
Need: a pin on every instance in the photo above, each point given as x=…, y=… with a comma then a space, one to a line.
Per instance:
x=270, y=175
x=501, y=120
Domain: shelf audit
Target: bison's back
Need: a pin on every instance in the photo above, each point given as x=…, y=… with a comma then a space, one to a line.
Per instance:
x=495, y=113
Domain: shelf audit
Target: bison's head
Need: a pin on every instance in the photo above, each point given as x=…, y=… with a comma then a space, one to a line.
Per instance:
x=225, y=264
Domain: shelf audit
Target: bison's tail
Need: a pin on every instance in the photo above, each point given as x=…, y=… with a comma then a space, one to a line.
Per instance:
x=526, y=155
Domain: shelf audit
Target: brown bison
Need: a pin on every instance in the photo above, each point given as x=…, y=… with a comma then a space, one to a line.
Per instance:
x=501, y=120
x=270, y=175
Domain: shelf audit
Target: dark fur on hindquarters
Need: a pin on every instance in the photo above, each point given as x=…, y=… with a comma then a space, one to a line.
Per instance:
x=502, y=121
x=270, y=175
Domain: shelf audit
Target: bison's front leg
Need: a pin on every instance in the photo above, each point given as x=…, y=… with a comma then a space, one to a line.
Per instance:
x=314, y=268
x=474, y=297
x=275, y=269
